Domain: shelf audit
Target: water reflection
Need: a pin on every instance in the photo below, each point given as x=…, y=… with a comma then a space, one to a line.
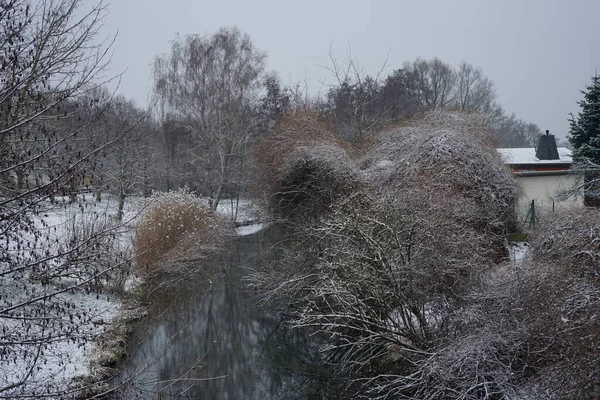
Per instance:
x=209, y=344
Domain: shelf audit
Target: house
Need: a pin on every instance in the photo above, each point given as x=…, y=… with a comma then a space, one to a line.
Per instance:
x=545, y=176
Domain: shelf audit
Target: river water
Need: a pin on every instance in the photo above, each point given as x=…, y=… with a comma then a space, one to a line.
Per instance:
x=210, y=344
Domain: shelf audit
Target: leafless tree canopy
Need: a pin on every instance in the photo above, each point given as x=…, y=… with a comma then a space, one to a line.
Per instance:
x=208, y=87
x=48, y=62
x=434, y=83
x=360, y=104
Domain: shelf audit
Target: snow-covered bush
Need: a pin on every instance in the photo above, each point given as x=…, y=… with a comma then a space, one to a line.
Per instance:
x=386, y=273
x=561, y=303
x=178, y=226
x=302, y=168
x=451, y=158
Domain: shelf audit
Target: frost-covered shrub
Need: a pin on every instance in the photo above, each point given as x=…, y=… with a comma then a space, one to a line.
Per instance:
x=175, y=224
x=450, y=157
x=99, y=248
x=302, y=168
x=311, y=179
x=385, y=276
x=561, y=302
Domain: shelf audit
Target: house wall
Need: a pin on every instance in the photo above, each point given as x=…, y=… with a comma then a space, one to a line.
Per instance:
x=545, y=190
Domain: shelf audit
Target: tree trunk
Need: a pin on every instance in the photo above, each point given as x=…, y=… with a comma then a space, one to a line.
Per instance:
x=73, y=189
x=121, y=204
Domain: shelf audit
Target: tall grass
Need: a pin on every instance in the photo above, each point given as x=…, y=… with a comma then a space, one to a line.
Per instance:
x=174, y=219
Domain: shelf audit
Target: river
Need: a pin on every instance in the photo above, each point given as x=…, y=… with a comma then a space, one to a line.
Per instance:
x=213, y=343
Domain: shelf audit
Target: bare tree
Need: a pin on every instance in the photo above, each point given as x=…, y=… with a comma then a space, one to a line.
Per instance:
x=433, y=83
x=355, y=101
x=126, y=167
x=511, y=131
x=48, y=59
x=210, y=87
x=397, y=98
x=475, y=92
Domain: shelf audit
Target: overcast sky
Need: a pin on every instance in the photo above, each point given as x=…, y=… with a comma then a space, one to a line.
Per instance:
x=539, y=53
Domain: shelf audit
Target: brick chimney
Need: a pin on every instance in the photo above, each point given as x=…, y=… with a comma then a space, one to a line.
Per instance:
x=546, y=148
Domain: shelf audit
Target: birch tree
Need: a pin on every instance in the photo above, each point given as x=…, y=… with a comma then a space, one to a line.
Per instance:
x=210, y=87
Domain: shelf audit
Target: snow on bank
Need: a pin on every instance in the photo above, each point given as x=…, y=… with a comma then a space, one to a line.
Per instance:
x=247, y=215
x=249, y=229
x=77, y=315
x=69, y=354
x=241, y=210
x=64, y=358
x=517, y=251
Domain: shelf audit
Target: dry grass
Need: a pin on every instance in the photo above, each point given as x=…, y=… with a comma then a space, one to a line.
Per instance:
x=172, y=227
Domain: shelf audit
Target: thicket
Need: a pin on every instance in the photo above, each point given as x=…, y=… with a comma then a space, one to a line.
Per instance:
x=404, y=276
x=561, y=304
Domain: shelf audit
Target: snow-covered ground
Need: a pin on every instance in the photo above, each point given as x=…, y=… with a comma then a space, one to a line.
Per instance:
x=69, y=333
x=518, y=251
x=65, y=358
x=247, y=210
x=249, y=229
x=249, y=215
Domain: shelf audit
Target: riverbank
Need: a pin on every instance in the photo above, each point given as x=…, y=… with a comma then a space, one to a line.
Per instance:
x=72, y=270
x=109, y=350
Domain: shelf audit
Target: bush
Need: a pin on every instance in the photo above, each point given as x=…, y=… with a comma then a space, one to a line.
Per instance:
x=178, y=226
x=386, y=274
x=561, y=302
x=302, y=168
x=450, y=156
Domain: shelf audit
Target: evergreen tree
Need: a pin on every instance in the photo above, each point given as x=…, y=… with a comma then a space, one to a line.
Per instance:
x=584, y=135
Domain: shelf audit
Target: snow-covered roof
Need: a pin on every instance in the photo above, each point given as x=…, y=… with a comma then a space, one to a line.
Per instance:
x=527, y=156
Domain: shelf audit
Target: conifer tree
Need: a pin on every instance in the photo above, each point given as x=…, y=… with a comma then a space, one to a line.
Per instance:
x=584, y=135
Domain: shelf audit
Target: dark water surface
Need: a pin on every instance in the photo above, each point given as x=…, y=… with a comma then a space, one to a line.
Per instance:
x=208, y=344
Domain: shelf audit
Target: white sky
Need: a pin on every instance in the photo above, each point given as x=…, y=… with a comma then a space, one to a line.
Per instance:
x=539, y=53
